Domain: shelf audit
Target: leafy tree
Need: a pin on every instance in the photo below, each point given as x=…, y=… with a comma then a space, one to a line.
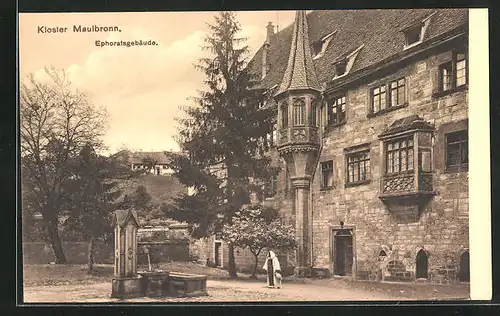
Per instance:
x=256, y=228
x=94, y=191
x=221, y=138
x=139, y=200
x=56, y=122
x=149, y=163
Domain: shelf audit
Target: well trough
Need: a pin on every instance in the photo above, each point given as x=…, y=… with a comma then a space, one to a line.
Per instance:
x=129, y=283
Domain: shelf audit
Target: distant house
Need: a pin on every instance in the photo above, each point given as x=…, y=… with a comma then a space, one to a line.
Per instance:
x=155, y=162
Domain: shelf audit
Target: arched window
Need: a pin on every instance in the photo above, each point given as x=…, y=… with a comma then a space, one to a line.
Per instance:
x=422, y=265
x=464, y=272
x=312, y=115
x=299, y=110
x=284, y=115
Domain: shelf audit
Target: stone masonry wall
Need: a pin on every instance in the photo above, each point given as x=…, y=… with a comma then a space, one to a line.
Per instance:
x=76, y=252
x=245, y=260
x=442, y=230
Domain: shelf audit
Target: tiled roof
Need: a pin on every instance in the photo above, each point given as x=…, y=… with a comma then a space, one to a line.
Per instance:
x=159, y=156
x=299, y=73
x=379, y=31
x=407, y=123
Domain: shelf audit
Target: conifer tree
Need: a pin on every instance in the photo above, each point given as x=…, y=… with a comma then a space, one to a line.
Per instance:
x=93, y=195
x=221, y=138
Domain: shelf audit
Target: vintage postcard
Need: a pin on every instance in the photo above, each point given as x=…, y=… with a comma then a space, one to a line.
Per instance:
x=253, y=156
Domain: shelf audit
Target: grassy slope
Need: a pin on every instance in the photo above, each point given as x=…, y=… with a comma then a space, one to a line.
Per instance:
x=161, y=188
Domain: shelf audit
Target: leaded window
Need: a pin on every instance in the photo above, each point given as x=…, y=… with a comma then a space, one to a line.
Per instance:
x=399, y=155
x=336, y=110
x=312, y=115
x=299, y=111
x=457, y=150
x=326, y=174
x=284, y=115
x=397, y=96
x=379, y=99
x=453, y=74
x=358, y=166
x=389, y=95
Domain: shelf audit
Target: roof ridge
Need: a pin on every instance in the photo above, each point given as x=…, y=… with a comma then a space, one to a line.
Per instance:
x=378, y=30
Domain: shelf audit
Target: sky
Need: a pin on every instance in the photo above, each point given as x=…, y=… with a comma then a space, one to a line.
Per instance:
x=140, y=87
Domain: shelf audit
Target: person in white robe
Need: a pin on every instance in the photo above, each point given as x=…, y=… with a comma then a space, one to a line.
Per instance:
x=273, y=269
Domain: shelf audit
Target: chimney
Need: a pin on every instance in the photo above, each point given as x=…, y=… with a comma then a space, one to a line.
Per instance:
x=265, y=48
x=270, y=32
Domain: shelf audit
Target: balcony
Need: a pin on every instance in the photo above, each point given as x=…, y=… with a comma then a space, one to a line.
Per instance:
x=407, y=144
x=406, y=185
x=405, y=195
x=298, y=135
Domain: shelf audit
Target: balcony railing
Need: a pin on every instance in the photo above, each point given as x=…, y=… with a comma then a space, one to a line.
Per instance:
x=400, y=183
x=404, y=184
x=298, y=135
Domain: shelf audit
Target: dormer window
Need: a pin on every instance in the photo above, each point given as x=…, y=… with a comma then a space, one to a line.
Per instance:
x=340, y=67
x=413, y=35
x=319, y=47
x=344, y=63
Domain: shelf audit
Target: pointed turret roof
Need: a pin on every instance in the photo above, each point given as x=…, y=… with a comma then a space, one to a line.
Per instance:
x=300, y=72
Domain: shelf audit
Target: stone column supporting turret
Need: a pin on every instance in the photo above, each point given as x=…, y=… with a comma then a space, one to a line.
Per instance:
x=298, y=137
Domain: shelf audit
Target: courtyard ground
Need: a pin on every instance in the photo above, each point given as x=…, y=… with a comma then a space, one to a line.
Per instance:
x=70, y=283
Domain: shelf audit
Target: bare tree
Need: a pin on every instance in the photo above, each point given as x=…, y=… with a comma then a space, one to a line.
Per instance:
x=56, y=122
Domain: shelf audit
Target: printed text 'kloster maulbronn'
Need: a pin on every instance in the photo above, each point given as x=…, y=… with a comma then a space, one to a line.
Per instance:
x=43, y=29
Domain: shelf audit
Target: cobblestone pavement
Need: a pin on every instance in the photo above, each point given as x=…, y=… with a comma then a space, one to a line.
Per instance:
x=219, y=291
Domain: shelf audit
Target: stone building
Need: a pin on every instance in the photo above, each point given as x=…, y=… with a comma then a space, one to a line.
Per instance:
x=372, y=138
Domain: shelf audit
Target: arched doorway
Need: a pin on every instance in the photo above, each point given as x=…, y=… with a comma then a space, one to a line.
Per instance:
x=464, y=272
x=382, y=255
x=422, y=265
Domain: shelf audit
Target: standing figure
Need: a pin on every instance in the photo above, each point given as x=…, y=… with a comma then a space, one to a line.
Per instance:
x=272, y=266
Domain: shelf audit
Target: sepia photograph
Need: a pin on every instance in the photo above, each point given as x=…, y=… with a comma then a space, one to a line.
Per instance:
x=254, y=156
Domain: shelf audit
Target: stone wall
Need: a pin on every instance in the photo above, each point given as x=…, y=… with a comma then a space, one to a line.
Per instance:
x=76, y=252
x=204, y=249
x=441, y=229
x=162, y=252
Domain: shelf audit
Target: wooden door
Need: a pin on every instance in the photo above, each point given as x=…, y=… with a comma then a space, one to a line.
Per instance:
x=343, y=253
x=217, y=256
x=464, y=271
